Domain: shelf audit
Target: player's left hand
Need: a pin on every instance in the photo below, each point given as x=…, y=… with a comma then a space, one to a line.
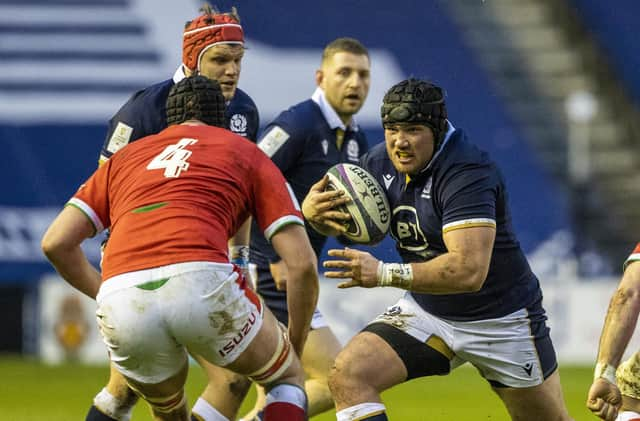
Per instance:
x=358, y=265
x=604, y=399
x=280, y=274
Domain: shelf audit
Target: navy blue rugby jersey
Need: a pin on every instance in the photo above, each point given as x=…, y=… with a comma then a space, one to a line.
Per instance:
x=145, y=114
x=302, y=144
x=460, y=185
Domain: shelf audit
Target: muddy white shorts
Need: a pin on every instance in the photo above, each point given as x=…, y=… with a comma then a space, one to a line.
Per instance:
x=148, y=319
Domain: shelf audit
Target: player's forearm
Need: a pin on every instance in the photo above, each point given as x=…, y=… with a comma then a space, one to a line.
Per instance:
x=302, y=299
x=74, y=268
x=449, y=273
x=622, y=317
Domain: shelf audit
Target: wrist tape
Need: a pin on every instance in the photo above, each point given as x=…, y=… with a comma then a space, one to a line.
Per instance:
x=398, y=275
x=605, y=371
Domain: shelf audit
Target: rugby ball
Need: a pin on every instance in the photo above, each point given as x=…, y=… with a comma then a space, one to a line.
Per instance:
x=369, y=207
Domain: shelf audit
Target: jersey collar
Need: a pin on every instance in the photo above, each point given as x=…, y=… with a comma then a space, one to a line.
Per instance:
x=179, y=74
x=330, y=114
x=447, y=136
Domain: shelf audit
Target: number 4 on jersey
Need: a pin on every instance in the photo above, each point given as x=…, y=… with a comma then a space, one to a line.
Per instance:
x=173, y=159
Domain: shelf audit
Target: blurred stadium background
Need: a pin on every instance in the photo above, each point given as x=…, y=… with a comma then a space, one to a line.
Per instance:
x=550, y=88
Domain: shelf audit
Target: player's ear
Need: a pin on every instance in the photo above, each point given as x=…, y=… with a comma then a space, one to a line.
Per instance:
x=319, y=77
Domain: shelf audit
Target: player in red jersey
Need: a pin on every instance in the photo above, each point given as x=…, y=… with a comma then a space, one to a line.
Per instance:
x=212, y=46
x=619, y=390
x=172, y=201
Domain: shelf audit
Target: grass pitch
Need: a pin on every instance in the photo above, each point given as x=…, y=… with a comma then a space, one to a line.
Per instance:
x=31, y=391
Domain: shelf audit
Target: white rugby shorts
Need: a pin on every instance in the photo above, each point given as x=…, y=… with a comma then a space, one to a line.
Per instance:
x=502, y=349
x=148, y=319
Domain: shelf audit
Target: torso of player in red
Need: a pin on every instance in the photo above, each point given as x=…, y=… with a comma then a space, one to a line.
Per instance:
x=178, y=196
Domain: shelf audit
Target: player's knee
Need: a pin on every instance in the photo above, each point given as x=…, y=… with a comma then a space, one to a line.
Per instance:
x=346, y=374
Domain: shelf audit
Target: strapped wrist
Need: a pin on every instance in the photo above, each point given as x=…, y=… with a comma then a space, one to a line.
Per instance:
x=398, y=275
x=606, y=372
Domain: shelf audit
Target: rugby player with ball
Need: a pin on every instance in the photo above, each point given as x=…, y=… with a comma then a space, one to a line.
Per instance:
x=471, y=295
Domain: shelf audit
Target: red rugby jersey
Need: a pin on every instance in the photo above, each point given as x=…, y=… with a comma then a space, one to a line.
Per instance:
x=178, y=196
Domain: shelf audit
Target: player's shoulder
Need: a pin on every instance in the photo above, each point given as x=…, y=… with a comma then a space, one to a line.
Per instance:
x=459, y=150
x=240, y=97
x=378, y=152
x=243, y=115
x=234, y=143
x=302, y=116
x=376, y=160
x=242, y=103
x=294, y=122
x=152, y=95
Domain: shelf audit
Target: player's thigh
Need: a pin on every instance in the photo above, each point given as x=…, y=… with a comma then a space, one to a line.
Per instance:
x=369, y=360
x=163, y=389
x=269, y=350
x=513, y=351
x=222, y=381
x=421, y=341
x=320, y=352
x=542, y=402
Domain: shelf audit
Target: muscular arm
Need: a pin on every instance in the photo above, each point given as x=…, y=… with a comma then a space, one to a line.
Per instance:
x=463, y=268
x=622, y=317
x=604, y=398
x=293, y=246
x=61, y=245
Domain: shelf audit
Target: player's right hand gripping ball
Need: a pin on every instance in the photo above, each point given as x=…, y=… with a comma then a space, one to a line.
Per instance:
x=368, y=207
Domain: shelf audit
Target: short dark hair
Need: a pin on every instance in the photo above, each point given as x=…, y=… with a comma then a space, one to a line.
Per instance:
x=196, y=98
x=344, y=44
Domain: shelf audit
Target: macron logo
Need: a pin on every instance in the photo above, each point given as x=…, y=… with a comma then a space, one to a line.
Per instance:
x=528, y=368
x=388, y=179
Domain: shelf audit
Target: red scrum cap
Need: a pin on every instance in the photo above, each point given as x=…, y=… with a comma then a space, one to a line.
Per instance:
x=209, y=29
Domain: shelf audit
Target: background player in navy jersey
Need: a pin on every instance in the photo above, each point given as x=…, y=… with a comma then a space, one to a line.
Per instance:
x=612, y=389
x=471, y=296
x=304, y=142
x=213, y=46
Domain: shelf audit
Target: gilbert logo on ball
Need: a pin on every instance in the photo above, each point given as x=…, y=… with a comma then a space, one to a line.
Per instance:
x=369, y=208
